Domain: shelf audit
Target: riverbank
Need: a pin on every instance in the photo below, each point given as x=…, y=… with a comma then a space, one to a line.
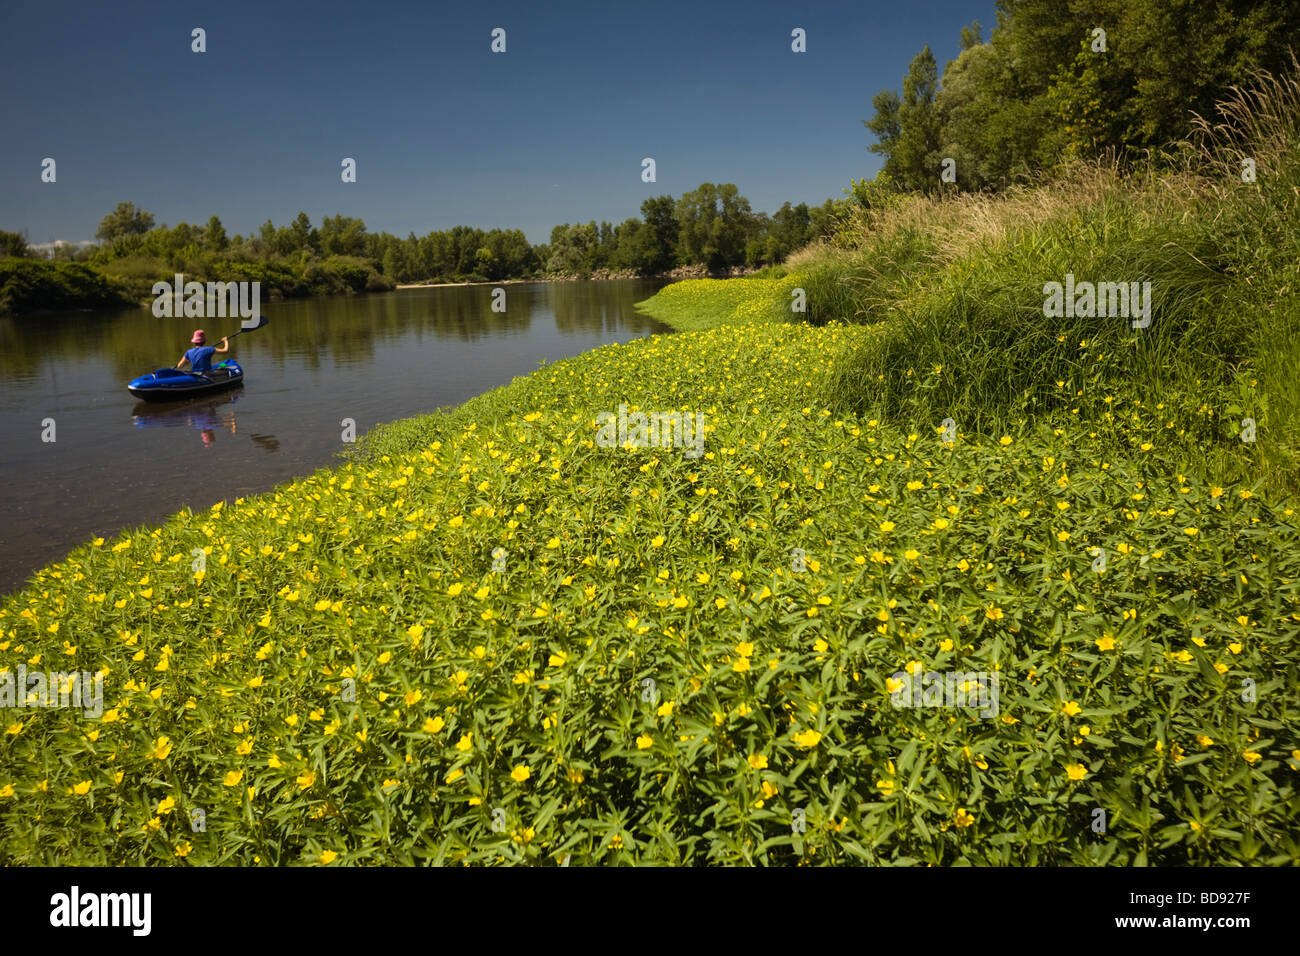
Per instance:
x=601, y=275
x=940, y=583
x=507, y=642
x=391, y=355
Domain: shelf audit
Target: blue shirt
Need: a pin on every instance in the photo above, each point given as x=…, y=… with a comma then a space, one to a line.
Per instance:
x=200, y=357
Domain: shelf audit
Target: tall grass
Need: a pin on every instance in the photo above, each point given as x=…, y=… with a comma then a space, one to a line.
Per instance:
x=953, y=288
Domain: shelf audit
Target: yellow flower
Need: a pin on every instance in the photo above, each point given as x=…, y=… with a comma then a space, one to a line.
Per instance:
x=886, y=526
x=1076, y=771
x=455, y=589
x=556, y=660
x=521, y=773
x=665, y=709
x=807, y=739
x=453, y=776
x=306, y=779
x=81, y=789
x=466, y=741
x=328, y=857
x=741, y=665
x=962, y=818
x=644, y=742
x=758, y=761
x=415, y=631
x=1071, y=708
x=911, y=554
x=411, y=698
x=232, y=778
x=161, y=748
x=1250, y=755
x=1004, y=440
x=432, y=725
x=183, y=849
x=1105, y=643
x=993, y=613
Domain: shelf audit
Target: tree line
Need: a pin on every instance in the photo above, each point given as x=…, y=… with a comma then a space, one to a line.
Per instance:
x=713, y=226
x=1059, y=81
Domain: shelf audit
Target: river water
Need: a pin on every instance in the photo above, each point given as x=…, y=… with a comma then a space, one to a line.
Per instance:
x=117, y=463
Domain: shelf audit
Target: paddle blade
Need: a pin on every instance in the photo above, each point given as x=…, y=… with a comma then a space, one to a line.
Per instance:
x=261, y=322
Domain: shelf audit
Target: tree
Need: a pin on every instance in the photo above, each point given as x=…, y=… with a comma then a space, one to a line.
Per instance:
x=660, y=238
x=124, y=220
x=343, y=236
x=715, y=222
x=391, y=266
x=907, y=128
x=13, y=244
x=302, y=233
x=214, y=235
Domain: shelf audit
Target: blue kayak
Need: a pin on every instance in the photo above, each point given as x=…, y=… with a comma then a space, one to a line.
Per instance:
x=171, y=384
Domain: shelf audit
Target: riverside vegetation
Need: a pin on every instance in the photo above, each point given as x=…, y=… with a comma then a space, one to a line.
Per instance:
x=485, y=639
x=711, y=228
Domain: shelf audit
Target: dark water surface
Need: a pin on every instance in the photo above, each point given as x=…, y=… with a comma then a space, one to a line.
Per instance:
x=117, y=463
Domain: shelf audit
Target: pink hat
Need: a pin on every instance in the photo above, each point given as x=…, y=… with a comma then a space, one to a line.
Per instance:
x=199, y=337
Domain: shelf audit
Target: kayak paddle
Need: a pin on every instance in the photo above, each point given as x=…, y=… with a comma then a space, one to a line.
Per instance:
x=261, y=323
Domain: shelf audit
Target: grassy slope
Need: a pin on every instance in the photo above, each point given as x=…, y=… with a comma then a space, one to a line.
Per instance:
x=351, y=677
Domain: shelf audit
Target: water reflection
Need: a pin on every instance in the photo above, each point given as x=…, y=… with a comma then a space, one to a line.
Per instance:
x=325, y=333
x=207, y=415
x=371, y=359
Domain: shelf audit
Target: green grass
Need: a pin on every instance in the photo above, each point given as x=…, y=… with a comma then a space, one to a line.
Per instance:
x=486, y=638
x=953, y=292
x=698, y=304
x=313, y=685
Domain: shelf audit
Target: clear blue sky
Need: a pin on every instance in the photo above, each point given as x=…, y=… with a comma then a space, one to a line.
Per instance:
x=444, y=132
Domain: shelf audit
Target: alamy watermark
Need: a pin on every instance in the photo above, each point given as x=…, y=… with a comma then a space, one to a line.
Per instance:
x=53, y=689
x=1107, y=300
x=213, y=300
x=977, y=689
x=652, y=430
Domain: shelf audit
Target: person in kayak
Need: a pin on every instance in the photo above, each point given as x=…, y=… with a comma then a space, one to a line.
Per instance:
x=200, y=357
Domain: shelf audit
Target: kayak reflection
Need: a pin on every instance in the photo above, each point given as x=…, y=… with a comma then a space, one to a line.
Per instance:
x=207, y=415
